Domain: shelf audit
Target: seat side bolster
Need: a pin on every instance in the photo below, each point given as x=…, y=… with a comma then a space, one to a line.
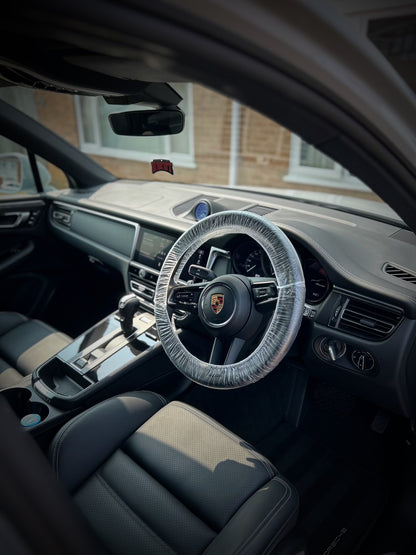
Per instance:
x=75, y=452
x=261, y=522
x=30, y=344
x=8, y=376
x=10, y=320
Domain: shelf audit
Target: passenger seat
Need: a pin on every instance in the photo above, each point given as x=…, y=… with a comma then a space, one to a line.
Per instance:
x=25, y=344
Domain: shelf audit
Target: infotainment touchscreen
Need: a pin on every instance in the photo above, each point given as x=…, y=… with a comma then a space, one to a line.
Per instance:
x=152, y=248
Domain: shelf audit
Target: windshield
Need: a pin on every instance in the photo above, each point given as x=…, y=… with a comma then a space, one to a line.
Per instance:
x=223, y=143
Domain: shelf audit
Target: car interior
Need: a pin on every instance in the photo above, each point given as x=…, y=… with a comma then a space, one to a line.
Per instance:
x=187, y=367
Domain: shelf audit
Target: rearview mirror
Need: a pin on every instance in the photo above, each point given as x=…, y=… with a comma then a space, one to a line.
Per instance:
x=140, y=123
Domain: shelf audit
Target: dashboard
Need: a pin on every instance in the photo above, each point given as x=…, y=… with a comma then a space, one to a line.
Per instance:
x=245, y=256
x=359, y=323
x=242, y=255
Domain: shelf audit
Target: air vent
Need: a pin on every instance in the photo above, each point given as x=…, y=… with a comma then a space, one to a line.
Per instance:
x=368, y=320
x=400, y=273
x=261, y=210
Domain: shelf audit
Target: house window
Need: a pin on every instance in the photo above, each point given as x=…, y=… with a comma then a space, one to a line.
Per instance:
x=97, y=137
x=310, y=166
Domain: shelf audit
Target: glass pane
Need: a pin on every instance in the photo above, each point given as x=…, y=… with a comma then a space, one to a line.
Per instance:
x=8, y=146
x=15, y=172
x=233, y=146
x=313, y=158
x=51, y=176
x=23, y=99
x=87, y=105
x=180, y=143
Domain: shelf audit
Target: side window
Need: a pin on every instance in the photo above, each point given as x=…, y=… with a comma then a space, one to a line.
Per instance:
x=16, y=175
x=307, y=165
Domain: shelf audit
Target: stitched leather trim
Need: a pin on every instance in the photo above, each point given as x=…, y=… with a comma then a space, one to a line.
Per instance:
x=66, y=429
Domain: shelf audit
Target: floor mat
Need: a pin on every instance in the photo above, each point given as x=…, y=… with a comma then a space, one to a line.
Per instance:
x=339, y=500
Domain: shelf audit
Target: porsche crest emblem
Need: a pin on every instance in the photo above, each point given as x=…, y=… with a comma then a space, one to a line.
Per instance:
x=217, y=302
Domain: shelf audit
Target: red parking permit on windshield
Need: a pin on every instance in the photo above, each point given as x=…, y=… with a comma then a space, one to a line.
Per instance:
x=162, y=166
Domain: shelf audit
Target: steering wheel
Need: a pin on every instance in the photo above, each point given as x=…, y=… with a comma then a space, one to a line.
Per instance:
x=232, y=307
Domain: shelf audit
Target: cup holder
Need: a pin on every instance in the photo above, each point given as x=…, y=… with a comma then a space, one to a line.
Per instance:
x=29, y=412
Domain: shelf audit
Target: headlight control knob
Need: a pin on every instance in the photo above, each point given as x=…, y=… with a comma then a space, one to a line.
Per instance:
x=363, y=360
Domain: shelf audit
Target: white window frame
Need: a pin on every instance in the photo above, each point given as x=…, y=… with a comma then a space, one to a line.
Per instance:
x=336, y=177
x=96, y=148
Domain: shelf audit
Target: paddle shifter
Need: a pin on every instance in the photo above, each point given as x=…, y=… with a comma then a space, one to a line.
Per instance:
x=128, y=305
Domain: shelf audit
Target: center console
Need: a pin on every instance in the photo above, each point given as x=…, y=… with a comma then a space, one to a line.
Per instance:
x=101, y=362
x=92, y=359
x=120, y=353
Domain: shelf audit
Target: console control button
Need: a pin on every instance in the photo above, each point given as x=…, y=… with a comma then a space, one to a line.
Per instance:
x=81, y=362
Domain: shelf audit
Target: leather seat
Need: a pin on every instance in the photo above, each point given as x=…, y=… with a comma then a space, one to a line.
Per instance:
x=25, y=344
x=152, y=477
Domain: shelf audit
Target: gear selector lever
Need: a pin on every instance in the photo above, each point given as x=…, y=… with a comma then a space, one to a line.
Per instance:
x=128, y=305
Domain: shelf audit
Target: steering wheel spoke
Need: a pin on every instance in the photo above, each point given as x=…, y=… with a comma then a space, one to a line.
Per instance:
x=226, y=352
x=217, y=352
x=185, y=297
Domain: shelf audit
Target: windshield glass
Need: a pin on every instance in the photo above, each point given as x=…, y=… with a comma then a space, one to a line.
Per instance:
x=223, y=143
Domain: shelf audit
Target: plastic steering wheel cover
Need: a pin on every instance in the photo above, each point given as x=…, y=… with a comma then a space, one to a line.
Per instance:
x=284, y=323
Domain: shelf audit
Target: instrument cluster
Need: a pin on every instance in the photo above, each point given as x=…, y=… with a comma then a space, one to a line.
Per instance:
x=249, y=259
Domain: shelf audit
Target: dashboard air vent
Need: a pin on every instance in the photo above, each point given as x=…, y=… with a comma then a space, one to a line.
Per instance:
x=400, y=273
x=368, y=320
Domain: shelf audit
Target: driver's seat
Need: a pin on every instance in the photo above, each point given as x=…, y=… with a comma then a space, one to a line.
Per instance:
x=152, y=477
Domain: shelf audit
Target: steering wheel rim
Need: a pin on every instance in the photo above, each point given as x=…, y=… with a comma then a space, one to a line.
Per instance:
x=287, y=314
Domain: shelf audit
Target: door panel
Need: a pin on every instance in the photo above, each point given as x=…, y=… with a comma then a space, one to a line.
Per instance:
x=23, y=286
x=44, y=278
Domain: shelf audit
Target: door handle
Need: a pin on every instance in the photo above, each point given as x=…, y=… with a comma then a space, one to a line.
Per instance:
x=9, y=220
